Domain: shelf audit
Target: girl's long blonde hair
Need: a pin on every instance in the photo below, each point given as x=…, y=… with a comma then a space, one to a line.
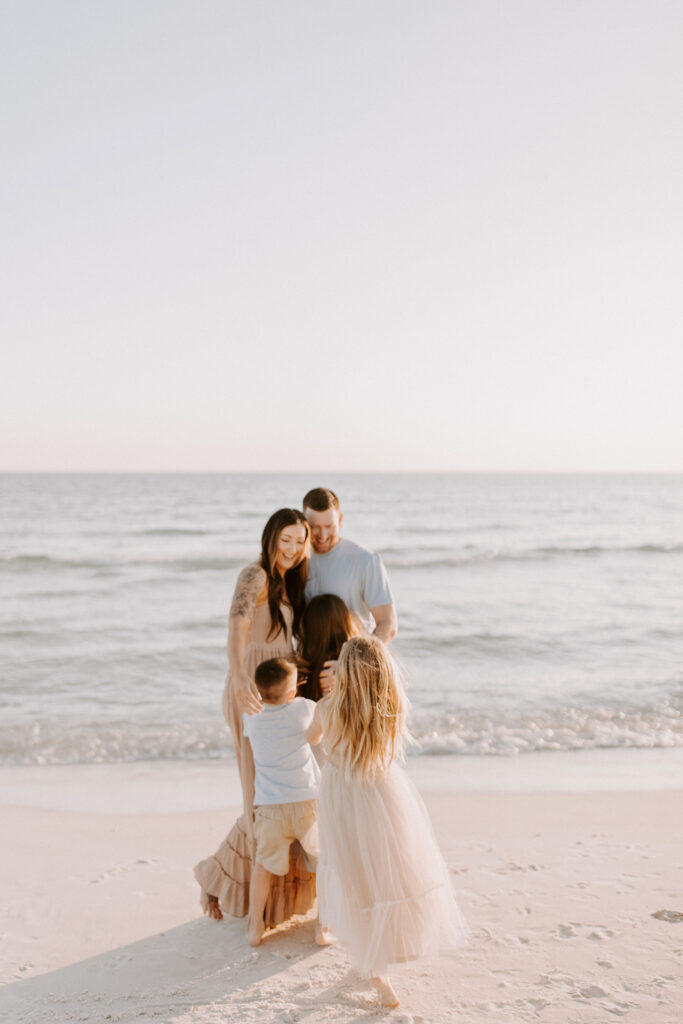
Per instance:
x=367, y=708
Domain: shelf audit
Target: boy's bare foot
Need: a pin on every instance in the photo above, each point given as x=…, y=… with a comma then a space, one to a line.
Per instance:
x=322, y=936
x=213, y=909
x=255, y=930
x=387, y=996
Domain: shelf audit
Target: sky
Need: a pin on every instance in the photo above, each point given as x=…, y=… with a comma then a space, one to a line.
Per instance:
x=352, y=236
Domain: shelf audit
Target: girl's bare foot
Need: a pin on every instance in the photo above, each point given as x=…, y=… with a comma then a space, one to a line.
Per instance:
x=213, y=909
x=322, y=936
x=255, y=930
x=387, y=996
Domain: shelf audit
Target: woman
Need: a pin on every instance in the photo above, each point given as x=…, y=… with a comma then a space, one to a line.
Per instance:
x=326, y=625
x=265, y=614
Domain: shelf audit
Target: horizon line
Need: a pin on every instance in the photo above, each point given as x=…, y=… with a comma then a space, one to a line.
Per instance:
x=341, y=472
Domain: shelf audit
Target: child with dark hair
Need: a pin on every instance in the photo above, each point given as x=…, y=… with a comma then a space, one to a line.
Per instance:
x=326, y=625
x=286, y=785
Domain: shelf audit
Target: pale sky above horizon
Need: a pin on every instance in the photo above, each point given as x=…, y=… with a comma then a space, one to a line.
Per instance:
x=345, y=236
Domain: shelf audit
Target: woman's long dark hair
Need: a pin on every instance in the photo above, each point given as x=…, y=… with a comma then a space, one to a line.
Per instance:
x=291, y=587
x=325, y=626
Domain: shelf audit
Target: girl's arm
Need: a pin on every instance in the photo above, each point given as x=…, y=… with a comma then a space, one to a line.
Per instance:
x=251, y=583
x=314, y=733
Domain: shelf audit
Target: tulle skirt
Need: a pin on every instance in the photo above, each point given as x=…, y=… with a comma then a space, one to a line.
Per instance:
x=383, y=886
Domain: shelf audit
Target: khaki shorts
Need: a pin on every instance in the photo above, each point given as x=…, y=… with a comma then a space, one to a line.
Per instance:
x=276, y=826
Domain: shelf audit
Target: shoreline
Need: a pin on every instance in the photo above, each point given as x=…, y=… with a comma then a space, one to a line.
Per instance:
x=180, y=787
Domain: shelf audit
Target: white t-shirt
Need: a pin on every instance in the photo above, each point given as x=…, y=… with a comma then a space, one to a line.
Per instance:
x=353, y=573
x=286, y=770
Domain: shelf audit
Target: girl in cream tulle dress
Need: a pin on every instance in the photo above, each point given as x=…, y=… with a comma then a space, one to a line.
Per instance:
x=383, y=886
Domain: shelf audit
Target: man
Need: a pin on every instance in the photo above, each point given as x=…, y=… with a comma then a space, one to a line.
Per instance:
x=338, y=566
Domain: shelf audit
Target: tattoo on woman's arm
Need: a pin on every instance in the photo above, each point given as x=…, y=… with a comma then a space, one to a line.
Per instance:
x=249, y=586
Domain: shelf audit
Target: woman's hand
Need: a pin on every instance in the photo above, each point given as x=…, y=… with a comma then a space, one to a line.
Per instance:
x=328, y=677
x=246, y=695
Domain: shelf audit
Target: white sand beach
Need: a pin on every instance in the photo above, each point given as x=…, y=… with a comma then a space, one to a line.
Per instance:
x=100, y=919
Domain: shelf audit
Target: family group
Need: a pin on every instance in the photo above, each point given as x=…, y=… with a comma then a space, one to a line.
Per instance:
x=317, y=710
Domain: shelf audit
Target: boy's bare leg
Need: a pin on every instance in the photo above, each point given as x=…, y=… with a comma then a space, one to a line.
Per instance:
x=259, y=888
x=213, y=909
x=387, y=996
x=322, y=936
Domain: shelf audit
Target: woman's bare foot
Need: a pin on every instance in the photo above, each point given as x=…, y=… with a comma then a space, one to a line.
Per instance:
x=322, y=936
x=213, y=909
x=255, y=930
x=387, y=996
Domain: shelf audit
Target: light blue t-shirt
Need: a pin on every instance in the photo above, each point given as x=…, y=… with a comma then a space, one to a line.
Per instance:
x=353, y=573
x=286, y=772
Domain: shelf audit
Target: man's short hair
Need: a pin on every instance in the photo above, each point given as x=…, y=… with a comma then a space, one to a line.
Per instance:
x=320, y=499
x=271, y=677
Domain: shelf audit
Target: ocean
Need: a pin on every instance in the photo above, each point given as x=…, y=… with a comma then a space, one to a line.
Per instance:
x=537, y=613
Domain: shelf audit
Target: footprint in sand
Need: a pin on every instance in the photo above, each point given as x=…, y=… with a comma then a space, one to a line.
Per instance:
x=538, y=1004
x=513, y=866
x=672, y=916
x=598, y=934
x=619, y=1009
x=594, y=992
x=119, y=869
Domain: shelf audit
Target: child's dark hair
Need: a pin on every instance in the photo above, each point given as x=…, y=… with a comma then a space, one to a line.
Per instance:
x=326, y=625
x=272, y=675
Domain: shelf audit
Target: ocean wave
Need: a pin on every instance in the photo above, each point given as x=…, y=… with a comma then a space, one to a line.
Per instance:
x=419, y=528
x=172, y=531
x=563, y=729
x=51, y=563
x=47, y=743
x=492, y=644
x=600, y=549
x=395, y=558
x=468, y=734
x=42, y=563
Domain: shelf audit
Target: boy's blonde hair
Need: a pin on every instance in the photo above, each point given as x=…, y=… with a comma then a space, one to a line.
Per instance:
x=367, y=707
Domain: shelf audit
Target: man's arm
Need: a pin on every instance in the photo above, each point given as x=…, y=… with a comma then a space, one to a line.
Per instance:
x=386, y=626
x=379, y=599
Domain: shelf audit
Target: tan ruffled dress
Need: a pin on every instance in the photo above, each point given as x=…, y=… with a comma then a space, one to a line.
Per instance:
x=226, y=874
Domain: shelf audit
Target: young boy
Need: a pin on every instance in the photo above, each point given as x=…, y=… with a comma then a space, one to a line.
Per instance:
x=286, y=785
